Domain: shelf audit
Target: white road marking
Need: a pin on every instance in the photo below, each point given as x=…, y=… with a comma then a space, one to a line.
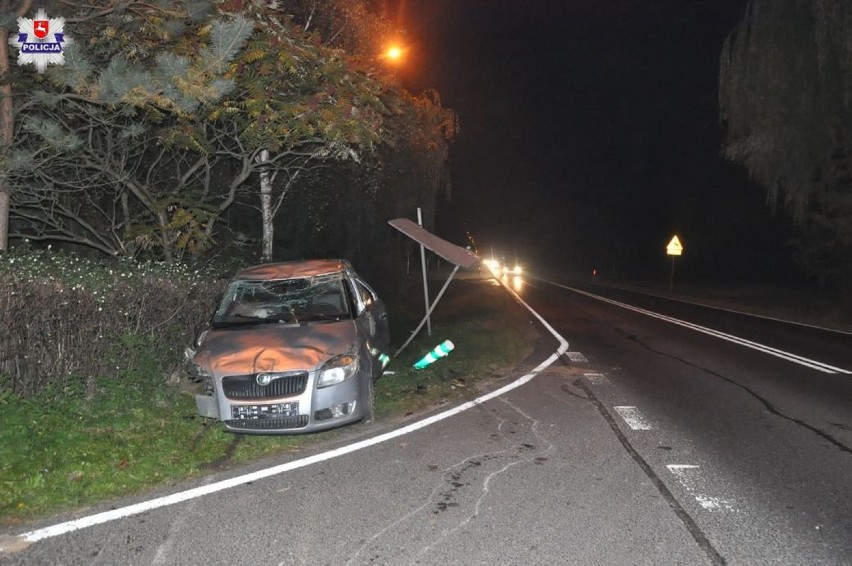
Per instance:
x=751, y=314
x=813, y=364
x=576, y=357
x=714, y=503
x=596, y=378
x=633, y=418
x=11, y=543
x=689, y=477
x=142, y=507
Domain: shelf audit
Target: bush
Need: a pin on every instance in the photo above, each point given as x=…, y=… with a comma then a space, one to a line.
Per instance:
x=68, y=321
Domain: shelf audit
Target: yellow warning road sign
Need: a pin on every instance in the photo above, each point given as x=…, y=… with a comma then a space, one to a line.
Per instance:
x=674, y=247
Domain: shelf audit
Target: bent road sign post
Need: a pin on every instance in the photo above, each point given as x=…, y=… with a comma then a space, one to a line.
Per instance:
x=457, y=255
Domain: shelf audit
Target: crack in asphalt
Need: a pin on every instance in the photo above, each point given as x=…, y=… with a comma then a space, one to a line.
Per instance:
x=697, y=534
x=456, y=478
x=567, y=389
x=523, y=450
x=769, y=406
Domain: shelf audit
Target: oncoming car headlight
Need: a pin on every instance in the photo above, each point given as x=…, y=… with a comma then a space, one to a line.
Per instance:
x=337, y=369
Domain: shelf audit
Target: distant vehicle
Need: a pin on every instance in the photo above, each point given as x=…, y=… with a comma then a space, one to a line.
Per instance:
x=499, y=267
x=495, y=265
x=293, y=347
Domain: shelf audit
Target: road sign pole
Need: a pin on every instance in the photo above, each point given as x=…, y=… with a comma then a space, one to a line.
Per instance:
x=674, y=249
x=671, y=277
x=425, y=281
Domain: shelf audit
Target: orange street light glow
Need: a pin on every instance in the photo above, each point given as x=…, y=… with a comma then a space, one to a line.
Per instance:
x=394, y=53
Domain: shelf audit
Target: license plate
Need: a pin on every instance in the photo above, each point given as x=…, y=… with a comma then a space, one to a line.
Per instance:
x=274, y=411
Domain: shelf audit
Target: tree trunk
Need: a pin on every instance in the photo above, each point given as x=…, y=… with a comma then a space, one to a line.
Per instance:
x=4, y=213
x=7, y=124
x=165, y=236
x=7, y=116
x=266, y=208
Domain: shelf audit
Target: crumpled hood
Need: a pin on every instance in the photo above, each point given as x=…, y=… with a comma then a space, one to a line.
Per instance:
x=274, y=347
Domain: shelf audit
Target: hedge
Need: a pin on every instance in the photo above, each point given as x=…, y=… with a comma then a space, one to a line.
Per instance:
x=66, y=321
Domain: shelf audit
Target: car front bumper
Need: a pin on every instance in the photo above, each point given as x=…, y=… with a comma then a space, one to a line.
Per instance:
x=311, y=410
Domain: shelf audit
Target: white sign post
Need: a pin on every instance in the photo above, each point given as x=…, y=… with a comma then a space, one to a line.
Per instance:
x=674, y=248
x=425, y=281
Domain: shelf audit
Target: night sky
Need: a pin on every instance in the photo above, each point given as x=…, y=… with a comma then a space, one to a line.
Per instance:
x=590, y=134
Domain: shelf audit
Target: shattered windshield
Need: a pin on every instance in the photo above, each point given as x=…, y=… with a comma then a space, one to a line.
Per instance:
x=284, y=301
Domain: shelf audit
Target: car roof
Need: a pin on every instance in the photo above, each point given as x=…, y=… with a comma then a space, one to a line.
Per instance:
x=293, y=269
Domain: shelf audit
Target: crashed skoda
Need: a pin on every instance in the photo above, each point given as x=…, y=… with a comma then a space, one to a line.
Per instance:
x=293, y=347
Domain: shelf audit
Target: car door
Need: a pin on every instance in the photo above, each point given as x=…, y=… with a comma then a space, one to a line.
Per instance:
x=375, y=319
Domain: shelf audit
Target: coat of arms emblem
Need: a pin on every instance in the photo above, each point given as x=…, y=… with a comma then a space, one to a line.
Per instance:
x=41, y=28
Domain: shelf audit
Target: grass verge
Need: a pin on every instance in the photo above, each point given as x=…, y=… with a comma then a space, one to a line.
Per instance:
x=84, y=445
x=490, y=333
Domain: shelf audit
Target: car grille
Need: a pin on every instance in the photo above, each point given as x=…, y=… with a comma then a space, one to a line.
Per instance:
x=269, y=424
x=246, y=387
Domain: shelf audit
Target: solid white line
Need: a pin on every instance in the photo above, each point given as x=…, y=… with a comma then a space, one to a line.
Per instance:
x=813, y=364
x=144, y=506
x=744, y=313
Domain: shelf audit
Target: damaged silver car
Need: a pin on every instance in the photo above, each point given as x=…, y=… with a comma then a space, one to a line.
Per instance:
x=293, y=347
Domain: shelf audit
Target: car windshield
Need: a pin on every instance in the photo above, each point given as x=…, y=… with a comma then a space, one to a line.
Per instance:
x=297, y=300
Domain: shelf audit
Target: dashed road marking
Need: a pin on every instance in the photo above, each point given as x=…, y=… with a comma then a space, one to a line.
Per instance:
x=576, y=357
x=596, y=378
x=633, y=418
x=689, y=477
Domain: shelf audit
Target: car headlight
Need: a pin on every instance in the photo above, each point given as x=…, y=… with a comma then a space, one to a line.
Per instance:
x=338, y=369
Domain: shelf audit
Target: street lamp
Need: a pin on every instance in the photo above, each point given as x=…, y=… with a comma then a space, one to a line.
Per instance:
x=394, y=53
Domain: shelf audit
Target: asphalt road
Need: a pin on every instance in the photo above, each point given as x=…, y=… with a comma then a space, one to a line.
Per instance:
x=740, y=418
x=649, y=441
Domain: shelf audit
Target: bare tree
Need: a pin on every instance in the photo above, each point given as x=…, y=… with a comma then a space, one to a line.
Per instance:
x=114, y=181
x=297, y=104
x=101, y=159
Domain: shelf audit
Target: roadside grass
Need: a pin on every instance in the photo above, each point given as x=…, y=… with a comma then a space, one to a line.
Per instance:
x=489, y=333
x=478, y=353
x=75, y=447
x=84, y=445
